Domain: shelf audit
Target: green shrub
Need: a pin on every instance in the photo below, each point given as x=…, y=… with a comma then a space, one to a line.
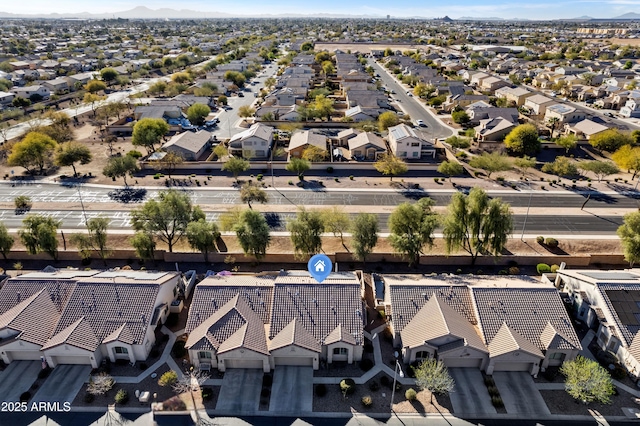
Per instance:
x=122, y=397
x=493, y=391
x=329, y=169
x=488, y=381
x=514, y=270
x=260, y=176
x=551, y=242
x=321, y=390
x=135, y=154
x=411, y=394
x=350, y=177
x=543, y=268
x=178, y=349
x=207, y=393
x=347, y=386
x=540, y=239
x=22, y=202
x=367, y=401
x=554, y=268
x=497, y=401
x=168, y=378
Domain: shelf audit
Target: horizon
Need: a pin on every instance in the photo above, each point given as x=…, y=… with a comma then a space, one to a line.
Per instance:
x=598, y=9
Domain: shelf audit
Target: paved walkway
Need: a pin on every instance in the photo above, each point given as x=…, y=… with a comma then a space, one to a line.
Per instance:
x=586, y=340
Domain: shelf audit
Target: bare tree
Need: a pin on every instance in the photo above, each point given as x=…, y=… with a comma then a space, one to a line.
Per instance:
x=100, y=384
x=191, y=383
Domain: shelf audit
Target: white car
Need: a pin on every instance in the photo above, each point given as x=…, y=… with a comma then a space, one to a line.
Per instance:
x=420, y=123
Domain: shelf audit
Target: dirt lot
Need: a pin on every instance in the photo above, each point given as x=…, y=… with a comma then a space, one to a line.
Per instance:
x=560, y=402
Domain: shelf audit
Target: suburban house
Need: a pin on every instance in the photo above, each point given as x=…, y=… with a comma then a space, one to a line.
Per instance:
x=366, y=146
x=585, y=129
x=189, y=145
x=492, y=323
x=253, y=143
x=515, y=95
x=6, y=98
x=537, y=104
x=357, y=113
x=493, y=129
x=608, y=301
x=405, y=143
x=631, y=108
x=29, y=91
x=84, y=317
x=491, y=84
x=564, y=113
x=57, y=86
x=304, y=139
x=267, y=320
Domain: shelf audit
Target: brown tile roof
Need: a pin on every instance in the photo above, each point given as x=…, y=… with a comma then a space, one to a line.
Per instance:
x=33, y=318
x=15, y=290
x=507, y=340
x=553, y=339
x=319, y=307
x=295, y=334
x=78, y=334
x=526, y=310
x=339, y=334
x=234, y=325
x=121, y=334
x=437, y=319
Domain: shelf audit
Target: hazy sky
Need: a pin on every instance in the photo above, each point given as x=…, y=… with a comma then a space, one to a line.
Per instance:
x=529, y=9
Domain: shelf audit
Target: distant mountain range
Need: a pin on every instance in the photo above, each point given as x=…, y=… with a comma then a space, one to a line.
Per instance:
x=143, y=12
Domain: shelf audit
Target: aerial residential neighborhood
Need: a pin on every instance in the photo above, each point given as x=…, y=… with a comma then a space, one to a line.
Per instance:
x=295, y=218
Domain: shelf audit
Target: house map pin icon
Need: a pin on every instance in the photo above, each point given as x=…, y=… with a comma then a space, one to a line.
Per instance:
x=319, y=267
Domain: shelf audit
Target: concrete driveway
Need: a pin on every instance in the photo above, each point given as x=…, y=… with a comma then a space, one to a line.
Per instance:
x=519, y=393
x=240, y=391
x=63, y=384
x=17, y=378
x=292, y=390
x=470, y=395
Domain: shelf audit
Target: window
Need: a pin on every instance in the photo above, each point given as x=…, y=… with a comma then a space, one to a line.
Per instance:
x=263, y=143
x=120, y=350
x=340, y=351
x=556, y=355
x=423, y=355
x=415, y=144
x=260, y=153
x=403, y=154
x=204, y=355
x=416, y=154
x=248, y=143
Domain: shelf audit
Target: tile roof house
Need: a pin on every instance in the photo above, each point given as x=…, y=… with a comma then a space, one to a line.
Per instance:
x=366, y=146
x=267, y=320
x=83, y=317
x=190, y=145
x=608, y=301
x=585, y=129
x=564, y=113
x=254, y=143
x=302, y=140
x=493, y=129
x=537, y=104
x=489, y=322
x=406, y=143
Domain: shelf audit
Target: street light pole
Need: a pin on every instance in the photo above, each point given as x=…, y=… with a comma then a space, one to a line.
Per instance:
x=395, y=374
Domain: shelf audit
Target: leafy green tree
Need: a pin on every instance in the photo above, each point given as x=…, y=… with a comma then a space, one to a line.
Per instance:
x=306, y=233
x=169, y=162
x=525, y=163
x=59, y=130
x=167, y=218
x=323, y=106
x=523, y=140
x=235, y=166
x=250, y=193
x=34, y=151
x=423, y=91
x=610, y=140
x=411, y=227
x=144, y=244
x=20, y=102
x=457, y=142
x=561, y=166
x=197, y=113
x=336, y=221
x=298, y=166
x=433, y=376
x=477, y=224
x=450, y=168
x=629, y=233
x=491, y=162
x=70, y=153
x=568, y=142
x=253, y=233
x=148, y=132
x=39, y=234
x=120, y=167
x=390, y=165
x=94, y=100
x=600, y=169
x=364, y=235
x=587, y=381
x=235, y=77
x=108, y=74
x=95, y=86
x=387, y=119
x=95, y=240
x=314, y=154
x=202, y=236
x=246, y=111
x=6, y=241
x=460, y=117
x=628, y=157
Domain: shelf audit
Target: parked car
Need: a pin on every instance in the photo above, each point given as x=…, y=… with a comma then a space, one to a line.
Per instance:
x=240, y=95
x=420, y=123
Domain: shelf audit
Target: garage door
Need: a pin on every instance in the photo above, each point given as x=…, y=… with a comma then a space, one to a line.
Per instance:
x=513, y=366
x=24, y=355
x=243, y=363
x=294, y=360
x=73, y=360
x=462, y=362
